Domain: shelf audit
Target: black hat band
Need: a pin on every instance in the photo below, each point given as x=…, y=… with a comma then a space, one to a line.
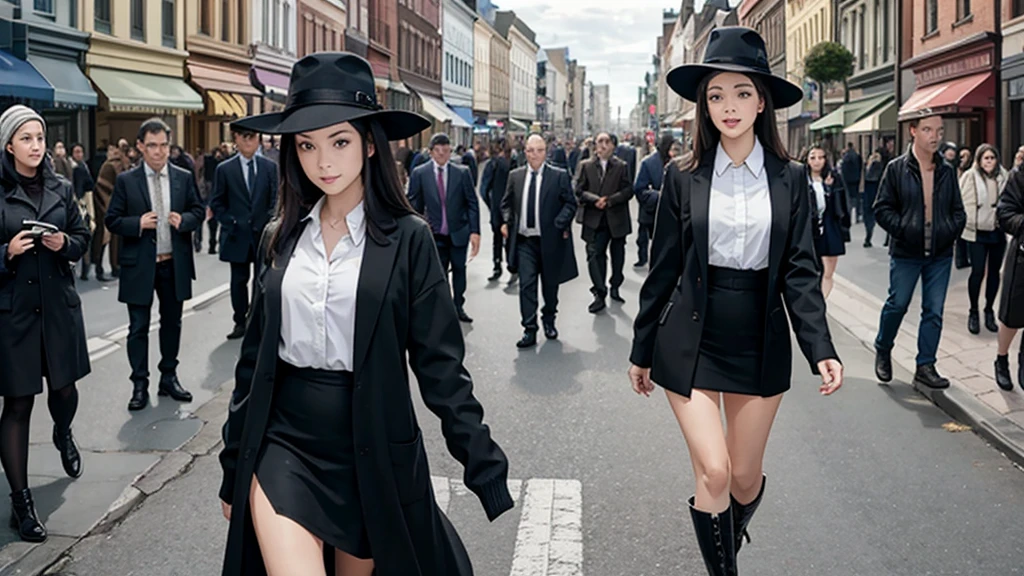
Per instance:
x=738, y=59
x=310, y=96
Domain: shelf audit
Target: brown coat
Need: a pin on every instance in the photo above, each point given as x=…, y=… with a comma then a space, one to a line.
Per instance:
x=616, y=186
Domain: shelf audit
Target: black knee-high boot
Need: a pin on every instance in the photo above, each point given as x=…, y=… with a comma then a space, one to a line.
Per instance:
x=742, y=513
x=717, y=539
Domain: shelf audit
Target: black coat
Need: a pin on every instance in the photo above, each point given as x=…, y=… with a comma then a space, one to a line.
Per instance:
x=492, y=188
x=242, y=218
x=469, y=161
x=463, y=210
x=557, y=208
x=1010, y=212
x=899, y=208
x=837, y=207
x=138, y=247
x=647, y=187
x=39, y=306
x=852, y=167
x=616, y=185
x=628, y=155
x=404, y=309
x=670, y=323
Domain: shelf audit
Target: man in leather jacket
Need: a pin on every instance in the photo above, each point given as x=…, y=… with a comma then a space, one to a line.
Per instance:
x=919, y=205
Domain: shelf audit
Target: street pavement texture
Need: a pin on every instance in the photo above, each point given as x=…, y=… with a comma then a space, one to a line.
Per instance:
x=872, y=481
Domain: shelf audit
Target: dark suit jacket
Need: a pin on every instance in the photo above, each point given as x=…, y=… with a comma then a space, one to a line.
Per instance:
x=648, y=187
x=615, y=185
x=628, y=155
x=557, y=207
x=463, y=209
x=668, y=328
x=138, y=248
x=405, y=322
x=469, y=161
x=492, y=187
x=242, y=218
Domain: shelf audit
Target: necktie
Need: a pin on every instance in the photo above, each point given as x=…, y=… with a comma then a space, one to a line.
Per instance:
x=163, y=229
x=531, y=202
x=444, y=195
x=252, y=175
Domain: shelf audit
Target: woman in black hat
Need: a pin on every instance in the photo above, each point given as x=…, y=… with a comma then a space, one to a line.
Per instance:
x=732, y=243
x=322, y=447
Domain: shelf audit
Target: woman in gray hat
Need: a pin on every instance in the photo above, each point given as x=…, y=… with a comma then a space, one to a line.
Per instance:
x=42, y=333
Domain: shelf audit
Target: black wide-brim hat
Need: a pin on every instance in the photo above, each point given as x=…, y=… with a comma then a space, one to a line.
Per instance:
x=329, y=88
x=734, y=49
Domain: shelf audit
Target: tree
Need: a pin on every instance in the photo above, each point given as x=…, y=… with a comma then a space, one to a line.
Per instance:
x=827, y=63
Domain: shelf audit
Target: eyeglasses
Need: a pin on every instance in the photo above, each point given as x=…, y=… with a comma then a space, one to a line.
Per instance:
x=153, y=146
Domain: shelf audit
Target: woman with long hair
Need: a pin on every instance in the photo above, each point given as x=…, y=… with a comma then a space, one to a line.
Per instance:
x=323, y=456
x=980, y=187
x=733, y=244
x=830, y=212
x=42, y=331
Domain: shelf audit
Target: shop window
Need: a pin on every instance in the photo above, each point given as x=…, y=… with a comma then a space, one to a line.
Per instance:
x=138, y=19
x=101, y=19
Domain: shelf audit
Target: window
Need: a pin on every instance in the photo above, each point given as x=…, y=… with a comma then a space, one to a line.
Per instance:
x=886, y=32
x=225, y=20
x=265, y=37
x=44, y=7
x=167, y=17
x=204, y=17
x=931, y=16
x=73, y=15
x=275, y=23
x=101, y=18
x=1018, y=8
x=241, y=16
x=286, y=41
x=862, y=58
x=364, y=16
x=963, y=9
x=138, y=19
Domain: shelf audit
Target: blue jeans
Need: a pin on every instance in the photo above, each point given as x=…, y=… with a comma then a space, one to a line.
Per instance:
x=903, y=275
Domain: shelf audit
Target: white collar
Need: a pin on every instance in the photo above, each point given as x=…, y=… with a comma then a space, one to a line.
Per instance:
x=754, y=161
x=438, y=166
x=245, y=160
x=150, y=172
x=356, y=221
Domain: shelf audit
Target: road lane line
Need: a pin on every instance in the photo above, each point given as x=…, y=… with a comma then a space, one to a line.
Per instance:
x=565, y=552
x=530, y=556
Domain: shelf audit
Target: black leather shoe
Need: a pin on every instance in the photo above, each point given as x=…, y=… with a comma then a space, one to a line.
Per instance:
x=867, y=243
x=171, y=387
x=69, y=455
x=237, y=332
x=84, y=274
x=550, y=332
x=513, y=279
x=640, y=264
x=528, y=340
x=24, y=518
x=883, y=366
x=495, y=276
x=990, y=321
x=116, y=272
x=742, y=513
x=463, y=317
x=212, y=250
x=972, y=322
x=1003, y=378
x=716, y=536
x=140, y=399
x=614, y=294
x=597, y=305
x=926, y=375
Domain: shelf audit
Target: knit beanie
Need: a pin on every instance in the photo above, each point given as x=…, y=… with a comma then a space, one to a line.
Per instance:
x=14, y=118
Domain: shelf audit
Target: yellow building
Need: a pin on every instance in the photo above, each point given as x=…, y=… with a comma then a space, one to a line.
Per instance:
x=136, y=61
x=808, y=22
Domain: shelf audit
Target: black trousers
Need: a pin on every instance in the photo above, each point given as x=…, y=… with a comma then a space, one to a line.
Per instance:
x=853, y=199
x=986, y=253
x=453, y=259
x=170, y=329
x=214, y=226
x=644, y=232
x=240, y=274
x=531, y=262
x=497, y=246
x=598, y=242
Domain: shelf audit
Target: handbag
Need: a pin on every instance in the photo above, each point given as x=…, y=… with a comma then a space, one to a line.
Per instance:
x=961, y=256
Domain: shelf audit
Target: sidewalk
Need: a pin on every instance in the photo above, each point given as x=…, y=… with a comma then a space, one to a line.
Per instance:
x=973, y=397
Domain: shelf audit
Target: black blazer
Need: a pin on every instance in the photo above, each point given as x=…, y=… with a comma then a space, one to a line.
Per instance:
x=138, y=248
x=557, y=207
x=667, y=331
x=616, y=185
x=404, y=309
x=242, y=218
x=463, y=210
x=492, y=187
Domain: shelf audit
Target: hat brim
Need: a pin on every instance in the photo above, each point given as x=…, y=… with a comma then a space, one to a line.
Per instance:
x=685, y=79
x=397, y=124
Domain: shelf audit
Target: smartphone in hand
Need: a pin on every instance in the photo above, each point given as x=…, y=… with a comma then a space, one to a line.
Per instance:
x=38, y=229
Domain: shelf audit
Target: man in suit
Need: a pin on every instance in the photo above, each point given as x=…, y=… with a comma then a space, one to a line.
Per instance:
x=538, y=208
x=603, y=191
x=154, y=209
x=243, y=200
x=492, y=189
x=626, y=153
x=444, y=193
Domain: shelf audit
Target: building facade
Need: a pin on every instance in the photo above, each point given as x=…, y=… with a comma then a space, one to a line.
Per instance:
x=501, y=79
x=458, y=64
x=356, y=32
x=419, y=60
x=575, y=126
x=483, y=33
x=273, y=50
x=1012, y=71
x=808, y=22
x=321, y=26
x=768, y=17
x=522, y=69
x=602, y=109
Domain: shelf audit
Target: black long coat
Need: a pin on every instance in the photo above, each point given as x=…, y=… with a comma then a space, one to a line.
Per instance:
x=242, y=218
x=616, y=186
x=492, y=188
x=668, y=328
x=39, y=306
x=1010, y=212
x=557, y=208
x=403, y=308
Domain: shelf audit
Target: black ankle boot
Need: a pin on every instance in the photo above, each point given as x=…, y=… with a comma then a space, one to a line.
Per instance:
x=69, y=455
x=717, y=539
x=742, y=513
x=24, y=518
x=1003, y=378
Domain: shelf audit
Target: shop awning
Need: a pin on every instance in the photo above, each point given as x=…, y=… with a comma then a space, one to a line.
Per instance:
x=514, y=125
x=269, y=82
x=437, y=109
x=221, y=80
x=226, y=104
x=19, y=79
x=70, y=86
x=399, y=86
x=847, y=114
x=463, y=116
x=149, y=93
x=882, y=118
x=975, y=91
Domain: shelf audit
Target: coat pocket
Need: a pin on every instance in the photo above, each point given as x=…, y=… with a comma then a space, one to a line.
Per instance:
x=409, y=464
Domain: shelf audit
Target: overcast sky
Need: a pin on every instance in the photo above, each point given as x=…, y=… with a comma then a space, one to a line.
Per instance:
x=614, y=39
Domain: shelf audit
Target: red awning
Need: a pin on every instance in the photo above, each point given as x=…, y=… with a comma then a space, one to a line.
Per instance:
x=977, y=91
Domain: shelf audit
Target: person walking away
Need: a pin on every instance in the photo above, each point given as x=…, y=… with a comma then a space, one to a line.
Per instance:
x=831, y=215
x=852, y=167
x=1010, y=213
x=872, y=175
x=980, y=187
x=647, y=189
x=115, y=164
x=492, y=189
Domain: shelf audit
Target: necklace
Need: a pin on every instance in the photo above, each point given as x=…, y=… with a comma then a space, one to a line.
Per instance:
x=334, y=224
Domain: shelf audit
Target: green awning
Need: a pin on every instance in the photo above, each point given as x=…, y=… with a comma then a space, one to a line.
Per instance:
x=70, y=86
x=879, y=119
x=148, y=93
x=847, y=114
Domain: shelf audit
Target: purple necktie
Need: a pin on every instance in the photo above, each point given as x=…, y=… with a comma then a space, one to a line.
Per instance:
x=444, y=208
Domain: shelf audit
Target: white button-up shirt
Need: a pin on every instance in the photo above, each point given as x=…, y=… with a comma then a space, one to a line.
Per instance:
x=740, y=212
x=535, y=231
x=318, y=296
x=163, y=226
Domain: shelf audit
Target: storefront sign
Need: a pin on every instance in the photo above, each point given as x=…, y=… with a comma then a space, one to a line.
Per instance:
x=974, y=63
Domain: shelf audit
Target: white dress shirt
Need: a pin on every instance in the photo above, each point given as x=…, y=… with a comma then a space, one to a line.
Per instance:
x=163, y=226
x=318, y=296
x=819, y=197
x=245, y=168
x=740, y=212
x=535, y=231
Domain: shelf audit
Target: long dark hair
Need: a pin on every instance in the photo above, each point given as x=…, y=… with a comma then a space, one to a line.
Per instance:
x=706, y=135
x=664, y=147
x=383, y=201
x=826, y=169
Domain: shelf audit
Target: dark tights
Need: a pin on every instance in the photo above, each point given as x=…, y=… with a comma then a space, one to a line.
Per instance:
x=984, y=255
x=14, y=429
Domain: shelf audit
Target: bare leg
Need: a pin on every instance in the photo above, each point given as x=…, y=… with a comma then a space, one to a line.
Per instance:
x=749, y=420
x=700, y=419
x=348, y=565
x=1006, y=336
x=288, y=549
x=829, y=265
